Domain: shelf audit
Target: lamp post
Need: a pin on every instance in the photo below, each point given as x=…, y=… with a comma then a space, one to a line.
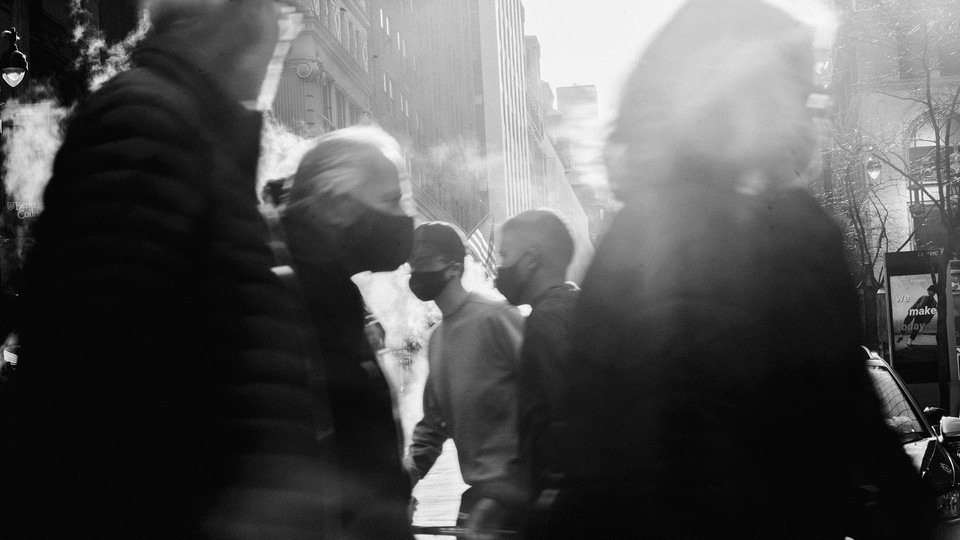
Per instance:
x=13, y=68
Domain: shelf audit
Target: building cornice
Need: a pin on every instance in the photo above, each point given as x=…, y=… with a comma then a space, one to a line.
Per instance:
x=342, y=58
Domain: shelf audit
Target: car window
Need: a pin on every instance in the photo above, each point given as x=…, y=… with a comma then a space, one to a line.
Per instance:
x=897, y=412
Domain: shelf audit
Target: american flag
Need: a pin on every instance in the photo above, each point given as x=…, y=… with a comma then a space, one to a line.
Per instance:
x=480, y=247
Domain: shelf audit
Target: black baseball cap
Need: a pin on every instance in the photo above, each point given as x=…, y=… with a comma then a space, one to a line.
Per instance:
x=438, y=238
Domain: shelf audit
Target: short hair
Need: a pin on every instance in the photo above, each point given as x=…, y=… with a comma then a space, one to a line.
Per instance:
x=340, y=165
x=547, y=230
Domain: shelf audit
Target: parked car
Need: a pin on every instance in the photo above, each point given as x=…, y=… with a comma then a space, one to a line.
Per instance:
x=934, y=454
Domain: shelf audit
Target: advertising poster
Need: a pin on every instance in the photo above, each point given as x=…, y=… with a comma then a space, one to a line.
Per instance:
x=914, y=310
x=912, y=320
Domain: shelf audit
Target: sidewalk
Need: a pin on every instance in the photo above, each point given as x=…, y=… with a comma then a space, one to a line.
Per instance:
x=438, y=495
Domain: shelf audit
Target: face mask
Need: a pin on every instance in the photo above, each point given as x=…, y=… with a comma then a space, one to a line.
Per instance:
x=509, y=284
x=378, y=242
x=428, y=285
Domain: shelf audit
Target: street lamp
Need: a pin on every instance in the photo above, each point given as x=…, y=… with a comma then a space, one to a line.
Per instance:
x=872, y=167
x=13, y=63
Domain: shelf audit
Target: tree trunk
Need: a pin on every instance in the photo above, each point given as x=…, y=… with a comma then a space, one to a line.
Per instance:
x=944, y=354
x=871, y=331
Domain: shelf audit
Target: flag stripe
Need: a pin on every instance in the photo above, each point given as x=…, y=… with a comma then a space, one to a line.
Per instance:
x=480, y=249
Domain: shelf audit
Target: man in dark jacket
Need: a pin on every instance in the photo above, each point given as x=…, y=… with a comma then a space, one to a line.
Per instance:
x=164, y=388
x=536, y=248
x=719, y=388
x=343, y=217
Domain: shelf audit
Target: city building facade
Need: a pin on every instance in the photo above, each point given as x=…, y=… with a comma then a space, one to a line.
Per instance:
x=881, y=84
x=576, y=128
x=326, y=83
x=503, y=107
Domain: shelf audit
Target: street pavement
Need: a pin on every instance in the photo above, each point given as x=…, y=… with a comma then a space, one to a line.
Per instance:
x=438, y=494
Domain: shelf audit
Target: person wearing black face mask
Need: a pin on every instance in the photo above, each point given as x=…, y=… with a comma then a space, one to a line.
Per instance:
x=344, y=216
x=471, y=389
x=536, y=248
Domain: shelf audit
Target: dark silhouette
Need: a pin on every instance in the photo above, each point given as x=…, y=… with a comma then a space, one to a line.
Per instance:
x=716, y=387
x=536, y=248
x=165, y=389
x=343, y=216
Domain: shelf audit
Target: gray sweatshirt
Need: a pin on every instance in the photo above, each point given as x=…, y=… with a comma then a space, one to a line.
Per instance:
x=471, y=395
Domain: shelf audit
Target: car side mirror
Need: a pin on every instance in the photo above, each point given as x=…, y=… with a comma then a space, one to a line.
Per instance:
x=950, y=429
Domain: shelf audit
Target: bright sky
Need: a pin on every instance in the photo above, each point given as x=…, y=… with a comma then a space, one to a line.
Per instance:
x=594, y=42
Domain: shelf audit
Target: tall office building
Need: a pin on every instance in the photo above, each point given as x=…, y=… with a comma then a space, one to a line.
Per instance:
x=502, y=105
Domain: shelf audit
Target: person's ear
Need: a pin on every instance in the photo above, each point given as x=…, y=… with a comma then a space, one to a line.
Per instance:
x=455, y=270
x=529, y=262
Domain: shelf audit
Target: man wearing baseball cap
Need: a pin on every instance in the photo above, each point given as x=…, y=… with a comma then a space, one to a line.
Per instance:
x=471, y=391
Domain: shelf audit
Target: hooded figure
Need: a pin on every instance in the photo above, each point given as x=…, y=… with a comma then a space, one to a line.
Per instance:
x=344, y=216
x=716, y=386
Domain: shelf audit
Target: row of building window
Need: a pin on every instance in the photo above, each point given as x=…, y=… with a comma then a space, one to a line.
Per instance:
x=336, y=19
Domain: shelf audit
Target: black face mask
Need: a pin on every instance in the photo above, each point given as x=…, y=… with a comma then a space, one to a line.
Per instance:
x=378, y=242
x=509, y=284
x=428, y=285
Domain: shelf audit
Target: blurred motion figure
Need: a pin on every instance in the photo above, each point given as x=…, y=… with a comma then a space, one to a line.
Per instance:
x=165, y=390
x=343, y=216
x=716, y=386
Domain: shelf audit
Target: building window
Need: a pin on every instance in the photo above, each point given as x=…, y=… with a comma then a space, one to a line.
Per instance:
x=949, y=58
x=341, y=110
x=390, y=89
x=320, y=6
x=387, y=27
x=338, y=26
x=384, y=83
x=908, y=55
x=381, y=17
x=364, y=59
x=398, y=40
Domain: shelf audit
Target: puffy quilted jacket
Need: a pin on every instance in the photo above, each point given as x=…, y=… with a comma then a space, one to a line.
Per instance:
x=166, y=386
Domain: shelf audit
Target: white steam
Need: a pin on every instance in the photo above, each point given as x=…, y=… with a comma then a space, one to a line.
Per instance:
x=280, y=151
x=33, y=132
x=405, y=319
x=31, y=137
x=104, y=61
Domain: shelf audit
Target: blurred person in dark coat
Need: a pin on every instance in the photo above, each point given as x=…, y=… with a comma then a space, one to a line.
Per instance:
x=343, y=217
x=536, y=248
x=165, y=389
x=717, y=388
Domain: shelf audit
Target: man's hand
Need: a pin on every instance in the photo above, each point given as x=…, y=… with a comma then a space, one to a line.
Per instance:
x=412, y=470
x=412, y=508
x=486, y=518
